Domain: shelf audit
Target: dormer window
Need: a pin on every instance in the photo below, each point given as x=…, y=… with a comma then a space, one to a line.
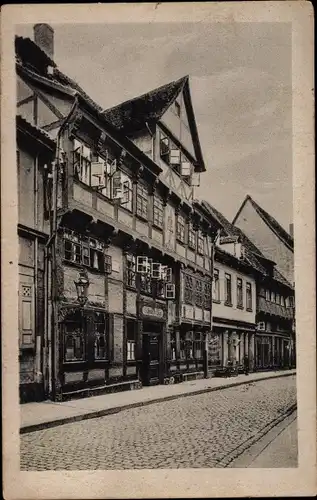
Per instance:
x=173, y=157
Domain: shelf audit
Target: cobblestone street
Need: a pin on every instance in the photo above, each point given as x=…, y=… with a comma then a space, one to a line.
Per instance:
x=195, y=431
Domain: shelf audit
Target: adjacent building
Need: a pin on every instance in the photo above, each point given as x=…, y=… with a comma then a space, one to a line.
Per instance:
x=252, y=302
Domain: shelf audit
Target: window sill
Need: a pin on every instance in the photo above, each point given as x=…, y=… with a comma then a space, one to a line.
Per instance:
x=200, y=253
x=240, y=307
x=125, y=209
x=249, y=309
x=156, y=226
x=27, y=347
x=80, y=266
x=216, y=301
x=141, y=217
x=228, y=304
x=181, y=242
x=191, y=247
x=131, y=287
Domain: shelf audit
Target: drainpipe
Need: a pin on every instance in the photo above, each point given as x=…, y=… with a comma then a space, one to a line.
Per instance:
x=51, y=249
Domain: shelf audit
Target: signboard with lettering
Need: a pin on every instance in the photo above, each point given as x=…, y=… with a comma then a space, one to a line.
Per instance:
x=152, y=311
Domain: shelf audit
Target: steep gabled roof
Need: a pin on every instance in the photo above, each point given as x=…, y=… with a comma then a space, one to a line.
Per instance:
x=132, y=115
x=135, y=114
x=35, y=132
x=272, y=223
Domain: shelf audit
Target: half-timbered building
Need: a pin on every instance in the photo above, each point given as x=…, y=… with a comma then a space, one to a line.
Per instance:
x=128, y=253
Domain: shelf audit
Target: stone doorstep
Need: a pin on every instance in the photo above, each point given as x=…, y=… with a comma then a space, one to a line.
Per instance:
x=116, y=409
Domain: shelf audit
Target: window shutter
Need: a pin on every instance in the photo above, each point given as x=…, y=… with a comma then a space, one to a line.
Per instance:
x=97, y=173
x=186, y=169
x=175, y=157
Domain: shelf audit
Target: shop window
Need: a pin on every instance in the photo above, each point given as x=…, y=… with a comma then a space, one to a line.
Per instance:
x=130, y=340
x=214, y=350
x=158, y=212
x=87, y=251
x=239, y=293
x=180, y=228
x=200, y=243
x=188, y=289
x=142, y=202
x=249, y=296
x=74, y=340
x=228, y=290
x=216, y=286
x=186, y=345
x=207, y=296
x=131, y=271
x=198, y=345
x=100, y=336
x=198, y=293
x=191, y=236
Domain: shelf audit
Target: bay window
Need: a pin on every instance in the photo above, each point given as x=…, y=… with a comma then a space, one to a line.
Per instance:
x=188, y=289
x=87, y=251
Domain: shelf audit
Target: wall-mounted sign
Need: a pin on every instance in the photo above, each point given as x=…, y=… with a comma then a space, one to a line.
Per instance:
x=153, y=311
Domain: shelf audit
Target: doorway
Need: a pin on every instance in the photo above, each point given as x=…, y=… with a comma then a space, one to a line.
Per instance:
x=151, y=353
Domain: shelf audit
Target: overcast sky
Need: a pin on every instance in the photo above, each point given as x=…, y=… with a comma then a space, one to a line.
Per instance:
x=240, y=80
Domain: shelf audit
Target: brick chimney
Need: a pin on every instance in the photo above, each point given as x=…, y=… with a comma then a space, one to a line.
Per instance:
x=291, y=230
x=44, y=38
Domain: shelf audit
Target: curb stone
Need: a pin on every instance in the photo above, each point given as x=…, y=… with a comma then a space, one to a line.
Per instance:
x=110, y=411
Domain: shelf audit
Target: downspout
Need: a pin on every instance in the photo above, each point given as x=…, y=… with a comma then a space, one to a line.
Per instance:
x=52, y=244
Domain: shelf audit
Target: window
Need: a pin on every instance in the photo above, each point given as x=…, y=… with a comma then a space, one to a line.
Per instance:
x=131, y=270
x=287, y=302
x=207, y=296
x=228, y=291
x=130, y=340
x=249, y=296
x=82, y=158
x=278, y=298
x=74, y=341
x=180, y=229
x=188, y=289
x=267, y=295
x=158, y=211
x=164, y=148
x=100, y=342
x=200, y=243
x=127, y=192
x=239, y=293
x=216, y=286
x=186, y=345
x=272, y=296
x=86, y=251
x=198, y=345
x=146, y=283
x=141, y=202
x=26, y=314
x=191, y=236
x=282, y=301
x=198, y=293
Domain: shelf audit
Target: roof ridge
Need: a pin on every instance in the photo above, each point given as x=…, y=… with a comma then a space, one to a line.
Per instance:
x=155, y=90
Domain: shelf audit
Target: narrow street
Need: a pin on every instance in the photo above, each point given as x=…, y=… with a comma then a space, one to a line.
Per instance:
x=195, y=431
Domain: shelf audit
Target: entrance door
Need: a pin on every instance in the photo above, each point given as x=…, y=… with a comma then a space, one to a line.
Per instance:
x=151, y=349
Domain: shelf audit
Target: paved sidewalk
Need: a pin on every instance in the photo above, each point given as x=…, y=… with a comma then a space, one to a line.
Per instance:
x=35, y=416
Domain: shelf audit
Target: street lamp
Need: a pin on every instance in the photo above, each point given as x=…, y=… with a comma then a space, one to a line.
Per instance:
x=82, y=285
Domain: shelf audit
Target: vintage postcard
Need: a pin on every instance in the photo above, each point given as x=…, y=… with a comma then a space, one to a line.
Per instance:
x=158, y=250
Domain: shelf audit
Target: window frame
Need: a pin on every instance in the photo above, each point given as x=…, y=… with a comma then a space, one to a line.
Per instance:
x=249, y=300
x=239, y=293
x=200, y=243
x=180, y=228
x=158, y=212
x=216, y=286
x=142, y=202
x=189, y=285
x=79, y=244
x=192, y=236
x=228, y=290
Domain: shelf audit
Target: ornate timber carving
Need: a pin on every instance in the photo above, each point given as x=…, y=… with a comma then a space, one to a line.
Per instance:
x=75, y=123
